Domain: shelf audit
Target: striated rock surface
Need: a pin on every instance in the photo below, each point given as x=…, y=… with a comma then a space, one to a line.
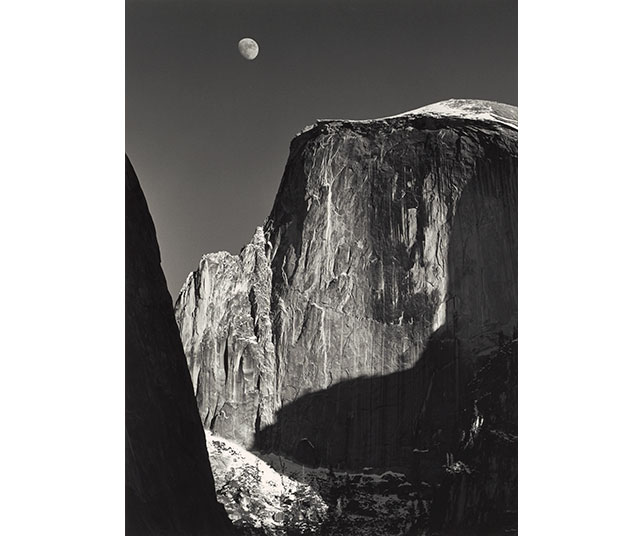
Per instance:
x=169, y=486
x=224, y=316
x=389, y=273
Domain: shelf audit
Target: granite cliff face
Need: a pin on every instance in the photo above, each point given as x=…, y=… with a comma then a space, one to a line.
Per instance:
x=223, y=312
x=169, y=487
x=357, y=328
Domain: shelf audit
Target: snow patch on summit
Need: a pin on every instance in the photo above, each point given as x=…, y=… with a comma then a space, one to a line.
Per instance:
x=478, y=110
x=470, y=109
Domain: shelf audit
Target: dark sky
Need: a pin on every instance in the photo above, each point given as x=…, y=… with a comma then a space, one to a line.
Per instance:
x=208, y=132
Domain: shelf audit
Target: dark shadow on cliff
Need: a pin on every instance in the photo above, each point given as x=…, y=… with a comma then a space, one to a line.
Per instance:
x=451, y=419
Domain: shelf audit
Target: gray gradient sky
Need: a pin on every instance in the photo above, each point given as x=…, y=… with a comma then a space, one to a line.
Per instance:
x=208, y=132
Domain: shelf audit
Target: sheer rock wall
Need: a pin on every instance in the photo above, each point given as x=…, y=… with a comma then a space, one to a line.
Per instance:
x=349, y=332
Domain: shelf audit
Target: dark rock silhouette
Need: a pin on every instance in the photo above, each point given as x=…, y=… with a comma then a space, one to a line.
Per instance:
x=169, y=487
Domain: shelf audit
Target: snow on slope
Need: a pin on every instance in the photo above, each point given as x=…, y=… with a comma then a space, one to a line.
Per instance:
x=362, y=503
x=258, y=497
x=274, y=496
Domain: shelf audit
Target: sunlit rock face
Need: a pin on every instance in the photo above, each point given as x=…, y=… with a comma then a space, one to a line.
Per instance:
x=169, y=486
x=389, y=273
x=223, y=313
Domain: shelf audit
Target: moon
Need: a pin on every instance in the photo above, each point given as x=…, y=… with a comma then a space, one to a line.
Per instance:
x=248, y=48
